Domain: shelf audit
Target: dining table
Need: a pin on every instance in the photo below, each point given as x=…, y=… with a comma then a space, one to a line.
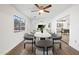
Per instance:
x=42, y=35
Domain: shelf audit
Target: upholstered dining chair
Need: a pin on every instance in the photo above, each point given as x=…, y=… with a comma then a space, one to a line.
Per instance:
x=28, y=39
x=57, y=39
x=43, y=47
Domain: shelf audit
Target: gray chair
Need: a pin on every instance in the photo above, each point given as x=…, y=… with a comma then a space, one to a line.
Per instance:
x=28, y=39
x=43, y=47
x=56, y=39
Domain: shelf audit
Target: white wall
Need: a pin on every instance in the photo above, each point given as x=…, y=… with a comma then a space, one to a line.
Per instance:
x=36, y=22
x=28, y=25
x=74, y=25
x=9, y=39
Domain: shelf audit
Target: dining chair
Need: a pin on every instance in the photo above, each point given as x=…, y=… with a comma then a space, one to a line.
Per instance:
x=43, y=47
x=28, y=39
x=57, y=39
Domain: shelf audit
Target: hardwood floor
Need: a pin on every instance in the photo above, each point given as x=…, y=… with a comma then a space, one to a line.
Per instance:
x=65, y=50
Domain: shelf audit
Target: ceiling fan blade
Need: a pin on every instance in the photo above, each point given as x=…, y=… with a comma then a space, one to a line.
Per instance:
x=46, y=11
x=37, y=6
x=47, y=6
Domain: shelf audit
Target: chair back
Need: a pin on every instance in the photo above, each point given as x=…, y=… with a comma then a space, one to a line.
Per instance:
x=26, y=35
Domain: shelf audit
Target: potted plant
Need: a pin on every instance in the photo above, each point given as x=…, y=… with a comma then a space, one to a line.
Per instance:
x=42, y=28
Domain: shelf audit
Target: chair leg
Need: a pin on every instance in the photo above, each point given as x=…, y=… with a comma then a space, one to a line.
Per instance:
x=43, y=51
x=47, y=50
x=60, y=46
x=32, y=46
x=53, y=46
x=24, y=45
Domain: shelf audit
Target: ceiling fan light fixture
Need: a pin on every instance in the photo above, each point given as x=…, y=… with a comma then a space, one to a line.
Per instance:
x=41, y=11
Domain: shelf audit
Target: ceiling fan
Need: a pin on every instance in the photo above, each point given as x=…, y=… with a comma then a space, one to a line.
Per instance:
x=42, y=8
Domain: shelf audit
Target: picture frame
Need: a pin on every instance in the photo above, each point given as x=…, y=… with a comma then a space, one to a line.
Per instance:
x=19, y=23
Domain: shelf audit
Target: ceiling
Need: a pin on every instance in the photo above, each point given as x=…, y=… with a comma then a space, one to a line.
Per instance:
x=27, y=9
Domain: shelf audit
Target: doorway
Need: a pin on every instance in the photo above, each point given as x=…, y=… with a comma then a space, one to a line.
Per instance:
x=63, y=28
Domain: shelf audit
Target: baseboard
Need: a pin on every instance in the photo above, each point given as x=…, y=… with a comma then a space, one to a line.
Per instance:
x=16, y=50
x=65, y=42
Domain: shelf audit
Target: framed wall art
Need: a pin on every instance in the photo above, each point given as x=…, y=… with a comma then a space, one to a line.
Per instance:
x=19, y=23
